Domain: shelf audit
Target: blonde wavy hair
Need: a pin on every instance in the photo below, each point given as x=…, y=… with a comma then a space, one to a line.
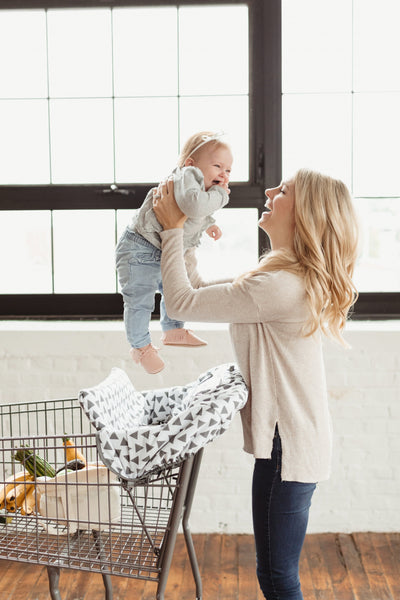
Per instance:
x=195, y=140
x=324, y=251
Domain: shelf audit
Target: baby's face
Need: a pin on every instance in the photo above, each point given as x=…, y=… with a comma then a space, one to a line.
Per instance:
x=215, y=165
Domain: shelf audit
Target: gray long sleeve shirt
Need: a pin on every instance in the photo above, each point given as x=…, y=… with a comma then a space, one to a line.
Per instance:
x=192, y=198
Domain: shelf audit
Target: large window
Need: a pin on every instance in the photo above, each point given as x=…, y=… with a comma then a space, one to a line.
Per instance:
x=96, y=101
x=94, y=96
x=340, y=114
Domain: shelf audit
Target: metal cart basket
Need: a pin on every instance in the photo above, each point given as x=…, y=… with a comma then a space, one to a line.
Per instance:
x=88, y=519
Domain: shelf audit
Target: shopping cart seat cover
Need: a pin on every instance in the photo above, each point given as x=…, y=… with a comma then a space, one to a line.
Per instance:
x=139, y=432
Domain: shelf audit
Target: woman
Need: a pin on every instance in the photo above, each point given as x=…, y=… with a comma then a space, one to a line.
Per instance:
x=277, y=312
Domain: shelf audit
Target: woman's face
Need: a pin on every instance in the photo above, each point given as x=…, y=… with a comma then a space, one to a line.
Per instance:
x=279, y=221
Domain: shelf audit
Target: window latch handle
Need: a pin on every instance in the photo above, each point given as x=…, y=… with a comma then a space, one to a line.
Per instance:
x=114, y=189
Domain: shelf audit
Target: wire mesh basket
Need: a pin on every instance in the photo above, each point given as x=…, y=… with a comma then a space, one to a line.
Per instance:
x=61, y=513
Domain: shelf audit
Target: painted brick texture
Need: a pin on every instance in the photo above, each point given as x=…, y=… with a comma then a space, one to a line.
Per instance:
x=54, y=360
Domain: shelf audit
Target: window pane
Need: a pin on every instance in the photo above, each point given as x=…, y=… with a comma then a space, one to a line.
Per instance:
x=316, y=133
x=80, y=52
x=124, y=218
x=316, y=45
x=25, y=247
x=140, y=67
x=376, y=144
x=224, y=113
x=146, y=138
x=84, y=250
x=81, y=141
x=376, y=45
x=236, y=251
x=213, y=56
x=23, y=71
x=378, y=267
x=24, y=142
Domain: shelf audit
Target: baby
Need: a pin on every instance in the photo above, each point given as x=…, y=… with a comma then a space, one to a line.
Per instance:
x=201, y=187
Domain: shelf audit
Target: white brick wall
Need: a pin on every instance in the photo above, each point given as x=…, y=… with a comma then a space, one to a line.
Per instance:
x=53, y=360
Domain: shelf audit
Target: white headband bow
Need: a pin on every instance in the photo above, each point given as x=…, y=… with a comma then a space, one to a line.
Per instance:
x=206, y=139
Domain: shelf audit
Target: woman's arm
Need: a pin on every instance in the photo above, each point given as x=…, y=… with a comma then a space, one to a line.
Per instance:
x=221, y=303
x=263, y=297
x=170, y=216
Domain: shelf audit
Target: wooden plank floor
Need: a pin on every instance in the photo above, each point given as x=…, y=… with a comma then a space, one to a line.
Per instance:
x=361, y=566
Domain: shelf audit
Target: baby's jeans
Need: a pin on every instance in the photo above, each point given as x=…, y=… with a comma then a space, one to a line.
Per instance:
x=139, y=273
x=280, y=517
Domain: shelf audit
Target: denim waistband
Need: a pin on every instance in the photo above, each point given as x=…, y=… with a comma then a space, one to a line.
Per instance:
x=139, y=239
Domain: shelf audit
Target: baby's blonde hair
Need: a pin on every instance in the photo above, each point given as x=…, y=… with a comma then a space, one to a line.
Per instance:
x=199, y=139
x=325, y=250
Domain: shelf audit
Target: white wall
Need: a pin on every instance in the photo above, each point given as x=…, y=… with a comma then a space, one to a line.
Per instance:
x=42, y=360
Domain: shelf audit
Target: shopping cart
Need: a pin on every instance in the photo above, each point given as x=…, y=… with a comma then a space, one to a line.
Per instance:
x=87, y=519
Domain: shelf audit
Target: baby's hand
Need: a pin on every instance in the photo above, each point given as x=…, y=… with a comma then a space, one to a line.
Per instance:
x=214, y=232
x=225, y=185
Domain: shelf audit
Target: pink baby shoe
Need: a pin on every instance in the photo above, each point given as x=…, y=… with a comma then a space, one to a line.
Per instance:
x=181, y=337
x=149, y=359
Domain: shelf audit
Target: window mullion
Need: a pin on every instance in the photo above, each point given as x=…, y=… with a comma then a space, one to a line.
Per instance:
x=48, y=96
x=113, y=92
x=52, y=252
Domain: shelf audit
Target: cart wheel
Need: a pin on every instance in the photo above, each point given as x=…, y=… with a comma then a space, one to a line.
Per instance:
x=54, y=576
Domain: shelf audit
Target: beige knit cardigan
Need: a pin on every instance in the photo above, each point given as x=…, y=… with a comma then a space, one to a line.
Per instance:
x=283, y=370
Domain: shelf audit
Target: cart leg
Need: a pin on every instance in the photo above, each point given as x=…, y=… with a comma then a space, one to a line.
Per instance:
x=54, y=577
x=183, y=504
x=106, y=577
x=193, y=562
x=185, y=524
x=178, y=504
x=107, y=586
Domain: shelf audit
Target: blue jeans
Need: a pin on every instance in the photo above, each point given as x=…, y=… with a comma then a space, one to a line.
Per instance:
x=280, y=517
x=139, y=273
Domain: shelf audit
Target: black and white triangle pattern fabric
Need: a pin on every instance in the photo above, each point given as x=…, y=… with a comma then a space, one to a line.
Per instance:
x=138, y=432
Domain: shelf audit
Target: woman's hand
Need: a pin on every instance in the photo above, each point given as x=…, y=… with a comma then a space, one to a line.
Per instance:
x=168, y=213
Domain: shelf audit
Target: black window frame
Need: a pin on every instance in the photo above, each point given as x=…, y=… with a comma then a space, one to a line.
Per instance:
x=265, y=168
